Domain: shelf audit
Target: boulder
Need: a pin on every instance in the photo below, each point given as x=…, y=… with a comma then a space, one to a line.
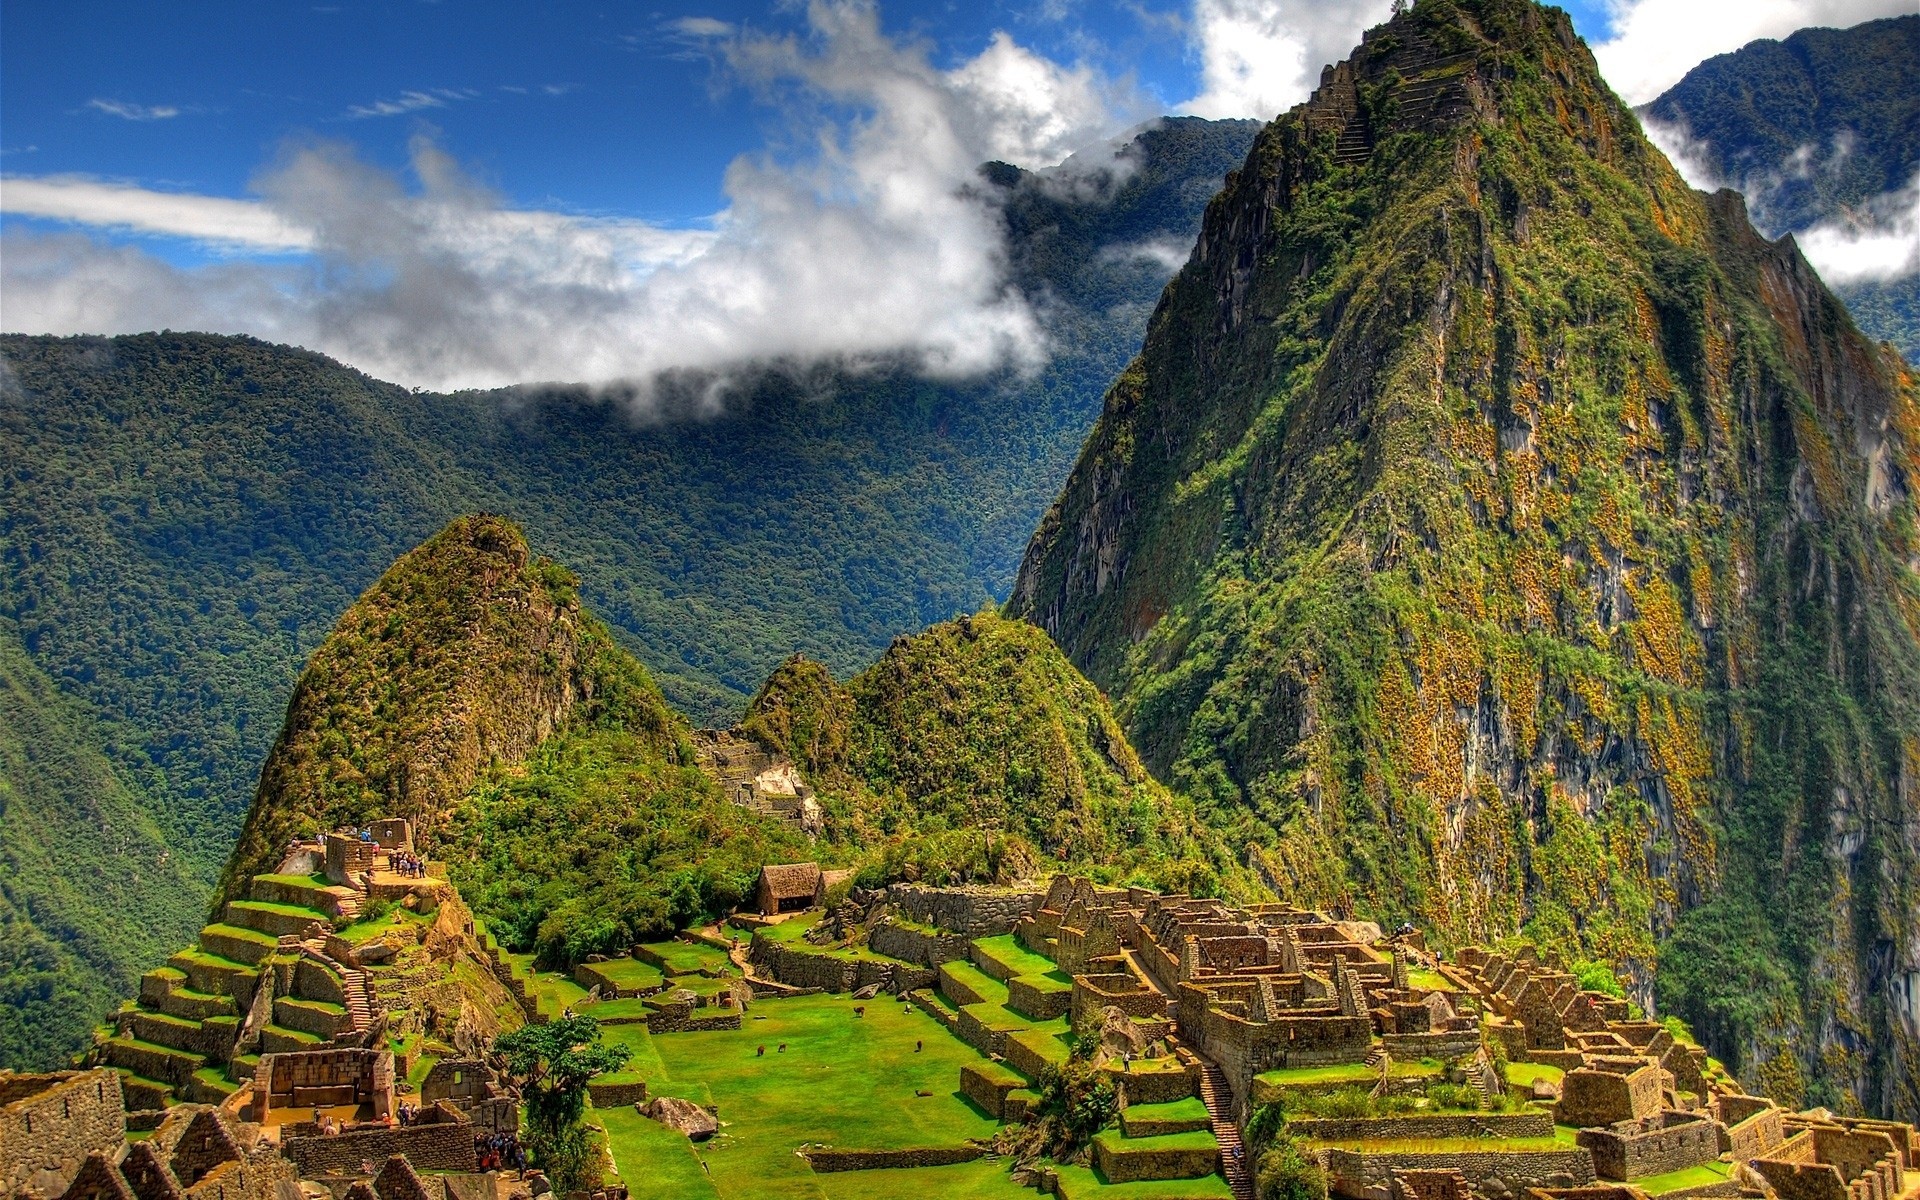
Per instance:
x=868, y=992
x=1544, y=1089
x=683, y=1115
x=1120, y=1038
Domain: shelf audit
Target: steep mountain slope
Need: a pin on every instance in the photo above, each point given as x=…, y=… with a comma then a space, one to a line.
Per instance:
x=87, y=884
x=1487, y=504
x=1815, y=128
x=468, y=651
x=980, y=727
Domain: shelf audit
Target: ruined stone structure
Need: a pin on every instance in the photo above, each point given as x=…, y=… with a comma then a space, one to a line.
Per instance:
x=756, y=779
x=49, y=1124
x=362, y=1079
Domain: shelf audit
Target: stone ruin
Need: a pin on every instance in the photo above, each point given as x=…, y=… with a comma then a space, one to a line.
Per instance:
x=757, y=779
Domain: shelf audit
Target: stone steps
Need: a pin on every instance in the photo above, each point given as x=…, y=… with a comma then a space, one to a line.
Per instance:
x=1233, y=1158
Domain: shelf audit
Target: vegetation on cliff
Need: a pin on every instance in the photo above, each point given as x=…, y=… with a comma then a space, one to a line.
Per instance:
x=1491, y=506
x=979, y=729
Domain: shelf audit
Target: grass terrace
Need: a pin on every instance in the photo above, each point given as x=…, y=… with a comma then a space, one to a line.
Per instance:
x=1525, y=1074
x=630, y=973
x=843, y=1081
x=1693, y=1177
x=1016, y=959
x=1083, y=1183
x=687, y=958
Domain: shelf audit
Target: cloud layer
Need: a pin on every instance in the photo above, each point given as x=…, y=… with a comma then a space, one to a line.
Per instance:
x=1655, y=42
x=1259, y=58
x=872, y=240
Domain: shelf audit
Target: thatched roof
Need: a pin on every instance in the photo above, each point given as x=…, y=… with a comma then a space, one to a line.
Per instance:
x=788, y=881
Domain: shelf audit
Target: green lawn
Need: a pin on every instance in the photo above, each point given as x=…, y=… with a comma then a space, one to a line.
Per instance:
x=1017, y=959
x=629, y=973
x=1432, y=981
x=1673, y=1181
x=658, y=1164
x=982, y=1179
x=1082, y=1183
x=688, y=958
x=1524, y=1074
x=842, y=1081
x=366, y=931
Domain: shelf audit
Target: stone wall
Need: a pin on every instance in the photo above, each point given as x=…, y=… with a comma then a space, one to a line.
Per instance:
x=1134, y=1166
x=441, y=1147
x=918, y=946
x=1092, y=994
x=1150, y=1087
x=617, y=1095
x=802, y=968
x=1596, y=1098
x=1438, y=1125
x=1670, y=1142
x=987, y=1085
x=668, y=1022
x=824, y=1161
x=54, y=1121
x=1037, y=1003
x=970, y=912
x=1514, y=1169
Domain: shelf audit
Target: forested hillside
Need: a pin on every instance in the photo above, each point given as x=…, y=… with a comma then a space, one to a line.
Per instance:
x=183, y=516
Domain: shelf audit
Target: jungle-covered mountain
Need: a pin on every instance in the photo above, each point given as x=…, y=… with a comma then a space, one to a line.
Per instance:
x=1821, y=126
x=470, y=690
x=1492, y=507
x=184, y=516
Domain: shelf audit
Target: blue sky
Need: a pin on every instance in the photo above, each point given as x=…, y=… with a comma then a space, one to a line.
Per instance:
x=452, y=193
x=590, y=107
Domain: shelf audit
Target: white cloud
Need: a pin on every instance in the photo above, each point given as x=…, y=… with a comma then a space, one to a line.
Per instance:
x=133, y=112
x=222, y=222
x=1259, y=58
x=410, y=101
x=1881, y=242
x=873, y=240
x=1653, y=43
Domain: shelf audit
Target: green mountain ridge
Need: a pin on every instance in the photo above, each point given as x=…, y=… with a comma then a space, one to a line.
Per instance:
x=1491, y=506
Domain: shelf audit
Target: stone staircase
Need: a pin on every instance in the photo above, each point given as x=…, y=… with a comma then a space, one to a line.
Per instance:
x=1233, y=1158
x=1354, y=146
x=357, y=985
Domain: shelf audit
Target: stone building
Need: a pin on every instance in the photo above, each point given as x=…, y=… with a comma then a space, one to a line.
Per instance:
x=50, y=1123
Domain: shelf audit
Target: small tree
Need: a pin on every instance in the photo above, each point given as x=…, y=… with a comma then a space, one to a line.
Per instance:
x=553, y=1063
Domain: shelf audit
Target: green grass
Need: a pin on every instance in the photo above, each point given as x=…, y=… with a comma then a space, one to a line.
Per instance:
x=1189, y=1109
x=1562, y=1139
x=842, y=1081
x=240, y=933
x=284, y=910
x=1017, y=959
x=689, y=957
x=367, y=930
x=1357, y=1073
x=655, y=1162
x=1198, y=1139
x=981, y=984
x=1432, y=981
x=299, y=881
x=1673, y=1181
x=1525, y=1074
x=983, y=1179
x=1083, y=1183
x=628, y=973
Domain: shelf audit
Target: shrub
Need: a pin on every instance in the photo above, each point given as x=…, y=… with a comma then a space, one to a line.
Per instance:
x=1285, y=1172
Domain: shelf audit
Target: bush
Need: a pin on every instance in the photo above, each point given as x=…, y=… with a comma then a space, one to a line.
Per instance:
x=1285, y=1172
x=1454, y=1095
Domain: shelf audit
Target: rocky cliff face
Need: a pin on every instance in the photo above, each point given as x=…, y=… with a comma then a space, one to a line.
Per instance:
x=466, y=651
x=1494, y=511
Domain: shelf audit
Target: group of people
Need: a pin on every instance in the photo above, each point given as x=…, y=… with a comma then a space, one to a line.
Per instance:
x=410, y=865
x=409, y=1114
x=499, y=1151
x=326, y=1123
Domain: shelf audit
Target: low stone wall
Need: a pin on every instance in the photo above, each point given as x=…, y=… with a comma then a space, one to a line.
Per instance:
x=312, y=980
x=1151, y=1087
x=987, y=1085
x=661, y=1022
x=616, y=1095
x=1415, y=1125
x=1515, y=1169
x=954, y=987
x=917, y=946
x=447, y=1147
x=926, y=1004
x=824, y=1161
x=802, y=968
x=1134, y=1166
x=1036, y=1003
x=1443, y=1046
x=970, y=912
x=588, y=976
x=1754, y=1136
x=1025, y=1054
x=990, y=1042
x=1142, y=1126
x=1093, y=994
